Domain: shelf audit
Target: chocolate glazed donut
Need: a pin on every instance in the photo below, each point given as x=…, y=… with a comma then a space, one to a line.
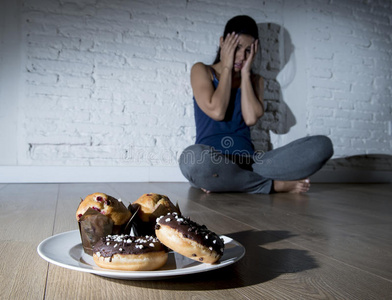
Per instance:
x=189, y=238
x=130, y=253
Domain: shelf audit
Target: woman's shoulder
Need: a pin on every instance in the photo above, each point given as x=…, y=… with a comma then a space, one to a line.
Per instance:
x=199, y=66
x=201, y=69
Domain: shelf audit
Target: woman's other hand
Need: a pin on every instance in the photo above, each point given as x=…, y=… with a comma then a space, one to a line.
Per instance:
x=249, y=60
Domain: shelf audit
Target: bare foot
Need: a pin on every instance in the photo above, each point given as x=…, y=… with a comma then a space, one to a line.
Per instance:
x=296, y=186
x=205, y=191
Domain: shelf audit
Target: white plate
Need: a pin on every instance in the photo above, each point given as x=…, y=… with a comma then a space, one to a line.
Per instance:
x=65, y=250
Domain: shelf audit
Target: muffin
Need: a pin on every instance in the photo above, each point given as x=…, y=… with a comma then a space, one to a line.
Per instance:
x=149, y=207
x=99, y=215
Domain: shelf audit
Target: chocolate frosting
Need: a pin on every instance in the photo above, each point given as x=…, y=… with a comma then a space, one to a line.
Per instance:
x=127, y=244
x=192, y=230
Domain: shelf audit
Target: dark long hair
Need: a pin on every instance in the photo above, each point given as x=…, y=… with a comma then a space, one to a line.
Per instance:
x=241, y=25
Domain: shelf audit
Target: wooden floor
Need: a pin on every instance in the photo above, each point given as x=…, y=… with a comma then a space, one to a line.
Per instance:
x=334, y=242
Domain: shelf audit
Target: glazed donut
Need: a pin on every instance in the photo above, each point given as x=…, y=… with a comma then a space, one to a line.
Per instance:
x=106, y=205
x=189, y=238
x=130, y=253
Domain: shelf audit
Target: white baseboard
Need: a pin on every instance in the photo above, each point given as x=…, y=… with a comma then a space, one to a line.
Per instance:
x=53, y=174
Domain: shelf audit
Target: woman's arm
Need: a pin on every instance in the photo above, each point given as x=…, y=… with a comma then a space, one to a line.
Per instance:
x=214, y=102
x=252, y=90
x=252, y=105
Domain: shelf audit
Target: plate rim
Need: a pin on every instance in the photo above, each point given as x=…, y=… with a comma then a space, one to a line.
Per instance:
x=135, y=275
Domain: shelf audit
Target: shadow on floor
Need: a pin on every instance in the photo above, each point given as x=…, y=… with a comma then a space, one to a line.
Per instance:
x=379, y=162
x=257, y=266
x=366, y=168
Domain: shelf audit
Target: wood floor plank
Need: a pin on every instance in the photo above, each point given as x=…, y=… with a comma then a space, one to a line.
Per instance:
x=318, y=246
x=27, y=202
x=2, y=185
x=342, y=224
x=179, y=192
x=271, y=269
x=26, y=215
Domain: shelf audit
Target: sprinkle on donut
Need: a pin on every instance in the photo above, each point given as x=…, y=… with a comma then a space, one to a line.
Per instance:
x=130, y=253
x=126, y=244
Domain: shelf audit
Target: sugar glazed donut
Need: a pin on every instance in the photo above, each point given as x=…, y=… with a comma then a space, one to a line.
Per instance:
x=189, y=238
x=130, y=253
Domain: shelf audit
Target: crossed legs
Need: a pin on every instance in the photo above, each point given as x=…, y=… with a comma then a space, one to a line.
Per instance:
x=285, y=169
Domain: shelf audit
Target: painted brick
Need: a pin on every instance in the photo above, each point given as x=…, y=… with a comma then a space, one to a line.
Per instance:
x=107, y=82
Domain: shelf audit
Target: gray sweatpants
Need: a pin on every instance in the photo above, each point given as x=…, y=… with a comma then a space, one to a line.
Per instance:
x=207, y=168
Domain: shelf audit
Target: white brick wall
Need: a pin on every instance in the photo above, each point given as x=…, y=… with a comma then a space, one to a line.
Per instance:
x=106, y=83
x=350, y=75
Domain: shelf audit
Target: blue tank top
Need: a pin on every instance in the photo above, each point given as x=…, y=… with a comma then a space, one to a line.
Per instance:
x=231, y=135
